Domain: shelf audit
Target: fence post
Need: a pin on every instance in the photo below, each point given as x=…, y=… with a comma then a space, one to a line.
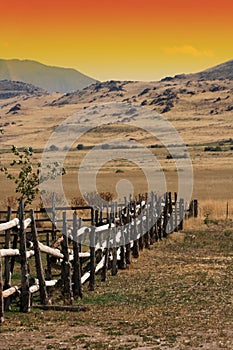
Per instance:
x=141, y=224
x=135, y=240
x=195, y=208
x=7, y=281
x=114, y=251
x=77, y=267
x=105, y=267
x=181, y=209
x=39, y=268
x=66, y=266
x=165, y=216
x=176, y=212
x=53, y=218
x=1, y=296
x=146, y=236
x=48, y=271
x=128, y=229
x=92, y=253
x=170, y=211
x=25, y=293
x=122, y=263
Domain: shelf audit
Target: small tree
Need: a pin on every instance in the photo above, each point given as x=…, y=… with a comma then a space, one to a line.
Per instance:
x=28, y=178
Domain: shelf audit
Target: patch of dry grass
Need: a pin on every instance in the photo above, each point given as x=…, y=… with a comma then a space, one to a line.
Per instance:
x=177, y=295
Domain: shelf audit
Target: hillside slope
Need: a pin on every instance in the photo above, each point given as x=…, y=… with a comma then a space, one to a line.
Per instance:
x=9, y=89
x=51, y=79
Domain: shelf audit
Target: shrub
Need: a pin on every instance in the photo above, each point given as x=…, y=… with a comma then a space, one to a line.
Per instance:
x=80, y=146
x=212, y=149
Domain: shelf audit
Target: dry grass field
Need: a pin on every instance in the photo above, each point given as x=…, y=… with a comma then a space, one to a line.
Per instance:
x=201, y=113
x=178, y=294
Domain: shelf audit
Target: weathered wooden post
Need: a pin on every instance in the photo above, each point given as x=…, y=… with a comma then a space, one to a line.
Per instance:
x=7, y=281
x=38, y=261
x=105, y=267
x=165, y=216
x=176, y=212
x=181, y=212
x=96, y=220
x=170, y=212
x=135, y=240
x=48, y=270
x=127, y=237
x=77, y=267
x=66, y=266
x=25, y=293
x=1, y=295
x=146, y=236
x=141, y=224
x=195, y=208
x=114, y=251
x=92, y=253
x=152, y=219
x=53, y=217
x=159, y=220
x=155, y=217
x=122, y=263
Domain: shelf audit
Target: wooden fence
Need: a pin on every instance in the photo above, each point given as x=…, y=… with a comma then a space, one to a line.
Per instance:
x=113, y=233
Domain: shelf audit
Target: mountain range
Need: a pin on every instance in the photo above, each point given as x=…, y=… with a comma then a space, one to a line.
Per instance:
x=51, y=79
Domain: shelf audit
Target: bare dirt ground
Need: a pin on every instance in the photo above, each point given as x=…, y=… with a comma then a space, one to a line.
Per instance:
x=177, y=295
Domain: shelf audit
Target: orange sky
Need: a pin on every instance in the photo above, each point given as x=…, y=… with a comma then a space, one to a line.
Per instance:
x=119, y=39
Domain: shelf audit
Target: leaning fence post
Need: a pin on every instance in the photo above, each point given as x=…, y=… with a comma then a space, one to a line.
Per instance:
x=25, y=293
x=39, y=267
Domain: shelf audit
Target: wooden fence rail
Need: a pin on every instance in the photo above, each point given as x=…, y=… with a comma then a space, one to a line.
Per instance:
x=115, y=232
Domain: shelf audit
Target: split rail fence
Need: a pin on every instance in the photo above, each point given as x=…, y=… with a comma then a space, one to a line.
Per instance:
x=105, y=239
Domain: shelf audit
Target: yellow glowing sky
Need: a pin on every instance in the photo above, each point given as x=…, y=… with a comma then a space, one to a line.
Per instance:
x=123, y=39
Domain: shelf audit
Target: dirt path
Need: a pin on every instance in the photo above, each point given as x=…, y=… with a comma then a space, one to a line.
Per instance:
x=177, y=295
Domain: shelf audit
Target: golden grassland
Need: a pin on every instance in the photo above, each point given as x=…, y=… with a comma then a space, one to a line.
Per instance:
x=191, y=116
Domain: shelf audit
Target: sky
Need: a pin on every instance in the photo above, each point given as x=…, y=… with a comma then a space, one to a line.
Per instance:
x=119, y=39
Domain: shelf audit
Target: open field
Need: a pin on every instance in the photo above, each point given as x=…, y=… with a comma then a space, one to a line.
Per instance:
x=201, y=113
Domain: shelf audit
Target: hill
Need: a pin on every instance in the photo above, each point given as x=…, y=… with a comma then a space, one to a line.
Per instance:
x=51, y=79
x=220, y=72
x=9, y=89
